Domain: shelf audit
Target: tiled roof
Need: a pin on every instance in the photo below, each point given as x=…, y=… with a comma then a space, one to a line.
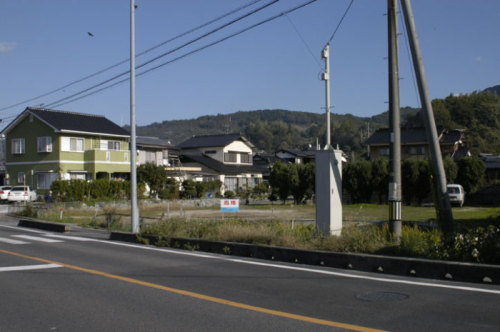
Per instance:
x=300, y=153
x=218, y=166
x=408, y=136
x=206, y=141
x=153, y=142
x=76, y=122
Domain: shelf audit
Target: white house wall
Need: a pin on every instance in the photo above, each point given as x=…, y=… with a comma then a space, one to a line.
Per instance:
x=238, y=146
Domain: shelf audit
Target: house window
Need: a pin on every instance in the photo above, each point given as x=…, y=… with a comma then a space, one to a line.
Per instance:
x=231, y=183
x=44, y=180
x=18, y=146
x=114, y=145
x=44, y=144
x=417, y=150
x=77, y=175
x=150, y=157
x=21, y=178
x=245, y=158
x=230, y=157
x=72, y=144
x=384, y=151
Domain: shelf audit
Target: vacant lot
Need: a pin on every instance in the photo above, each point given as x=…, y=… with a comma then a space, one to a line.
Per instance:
x=151, y=212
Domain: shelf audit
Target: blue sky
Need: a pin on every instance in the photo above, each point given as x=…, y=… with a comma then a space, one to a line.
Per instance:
x=44, y=44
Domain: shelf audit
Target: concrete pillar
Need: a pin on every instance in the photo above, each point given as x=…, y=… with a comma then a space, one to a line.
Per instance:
x=329, y=191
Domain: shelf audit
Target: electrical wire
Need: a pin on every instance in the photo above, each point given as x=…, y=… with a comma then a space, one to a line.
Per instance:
x=58, y=102
x=408, y=53
x=340, y=22
x=128, y=59
x=304, y=41
x=190, y=53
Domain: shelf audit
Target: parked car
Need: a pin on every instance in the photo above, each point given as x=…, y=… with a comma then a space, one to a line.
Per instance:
x=21, y=194
x=4, y=192
x=456, y=193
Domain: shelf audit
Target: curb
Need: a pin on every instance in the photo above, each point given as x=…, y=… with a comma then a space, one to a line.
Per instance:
x=402, y=266
x=44, y=225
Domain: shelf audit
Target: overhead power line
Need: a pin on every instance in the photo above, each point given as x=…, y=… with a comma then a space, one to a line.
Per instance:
x=187, y=54
x=340, y=22
x=128, y=59
x=225, y=25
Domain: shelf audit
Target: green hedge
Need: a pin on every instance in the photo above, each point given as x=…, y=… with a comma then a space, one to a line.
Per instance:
x=97, y=190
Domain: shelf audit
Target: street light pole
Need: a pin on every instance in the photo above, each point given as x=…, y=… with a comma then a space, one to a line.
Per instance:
x=134, y=213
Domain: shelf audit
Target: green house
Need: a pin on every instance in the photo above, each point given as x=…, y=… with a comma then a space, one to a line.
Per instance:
x=43, y=145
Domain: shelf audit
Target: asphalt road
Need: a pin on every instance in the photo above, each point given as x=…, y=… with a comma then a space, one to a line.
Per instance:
x=81, y=282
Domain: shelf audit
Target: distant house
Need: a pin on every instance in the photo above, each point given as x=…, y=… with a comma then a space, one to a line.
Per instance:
x=414, y=143
x=492, y=163
x=225, y=157
x=43, y=145
x=296, y=156
x=156, y=151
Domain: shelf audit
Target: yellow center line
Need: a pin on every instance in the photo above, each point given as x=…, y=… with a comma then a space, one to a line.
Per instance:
x=201, y=296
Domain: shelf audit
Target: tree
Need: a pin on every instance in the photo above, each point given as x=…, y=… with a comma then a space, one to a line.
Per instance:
x=380, y=178
x=170, y=190
x=278, y=179
x=409, y=176
x=450, y=168
x=422, y=187
x=301, y=181
x=188, y=189
x=441, y=114
x=154, y=176
x=356, y=180
x=471, y=171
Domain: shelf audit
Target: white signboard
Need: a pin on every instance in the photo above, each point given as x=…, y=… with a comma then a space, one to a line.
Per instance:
x=230, y=205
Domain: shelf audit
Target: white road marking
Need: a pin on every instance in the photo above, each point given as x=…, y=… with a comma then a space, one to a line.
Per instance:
x=36, y=238
x=295, y=268
x=67, y=237
x=12, y=241
x=24, y=229
x=28, y=267
x=313, y=270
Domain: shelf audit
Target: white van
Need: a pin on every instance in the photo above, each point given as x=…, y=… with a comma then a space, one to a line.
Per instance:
x=456, y=193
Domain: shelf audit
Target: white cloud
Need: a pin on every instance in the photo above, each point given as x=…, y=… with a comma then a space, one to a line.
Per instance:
x=7, y=46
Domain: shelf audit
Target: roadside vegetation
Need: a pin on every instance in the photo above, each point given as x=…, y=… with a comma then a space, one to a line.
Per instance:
x=477, y=238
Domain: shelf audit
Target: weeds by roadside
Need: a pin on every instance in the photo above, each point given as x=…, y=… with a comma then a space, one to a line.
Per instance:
x=477, y=238
x=471, y=245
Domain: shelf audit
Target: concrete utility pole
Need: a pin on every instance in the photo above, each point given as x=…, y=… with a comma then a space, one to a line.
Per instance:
x=443, y=210
x=326, y=77
x=134, y=213
x=328, y=172
x=394, y=124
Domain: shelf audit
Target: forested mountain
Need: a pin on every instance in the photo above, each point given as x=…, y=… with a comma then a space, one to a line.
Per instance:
x=270, y=130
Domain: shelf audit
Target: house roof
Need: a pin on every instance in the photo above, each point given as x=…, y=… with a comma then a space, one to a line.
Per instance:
x=490, y=160
x=299, y=153
x=408, y=136
x=218, y=166
x=153, y=142
x=70, y=122
x=205, y=141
